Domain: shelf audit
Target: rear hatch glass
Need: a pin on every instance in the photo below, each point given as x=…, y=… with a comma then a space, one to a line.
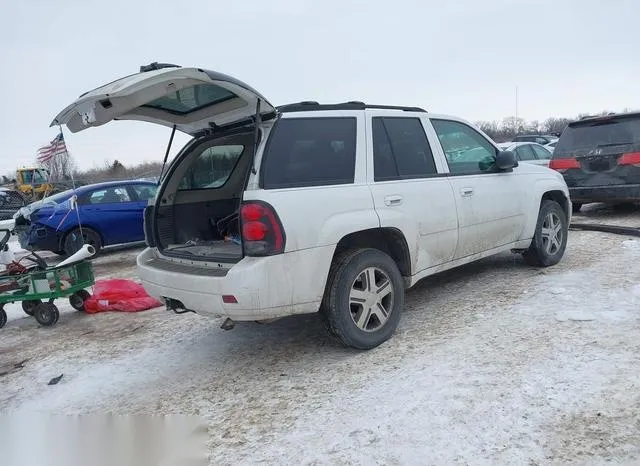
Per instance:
x=600, y=151
x=583, y=138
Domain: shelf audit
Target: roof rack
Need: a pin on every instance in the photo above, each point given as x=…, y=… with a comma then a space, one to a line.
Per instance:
x=308, y=106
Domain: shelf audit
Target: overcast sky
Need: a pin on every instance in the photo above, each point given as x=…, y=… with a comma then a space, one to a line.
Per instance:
x=457, y=57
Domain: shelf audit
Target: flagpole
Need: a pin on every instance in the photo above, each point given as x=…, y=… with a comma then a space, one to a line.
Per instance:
x=74, y=198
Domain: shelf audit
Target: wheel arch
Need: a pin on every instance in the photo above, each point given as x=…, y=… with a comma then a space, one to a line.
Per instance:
x=560, y=197
x=63, y=237
x=389, y=240
x=546, y=191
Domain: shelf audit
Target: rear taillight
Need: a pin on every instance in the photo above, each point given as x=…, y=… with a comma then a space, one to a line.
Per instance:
x=631, y=158
x=262, y=232
x=563, y=164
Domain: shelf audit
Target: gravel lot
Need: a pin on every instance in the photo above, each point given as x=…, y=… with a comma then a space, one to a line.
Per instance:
x=493, y=363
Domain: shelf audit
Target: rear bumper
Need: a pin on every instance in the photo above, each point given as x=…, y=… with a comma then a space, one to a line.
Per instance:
x=264, y=288
x=611, y=193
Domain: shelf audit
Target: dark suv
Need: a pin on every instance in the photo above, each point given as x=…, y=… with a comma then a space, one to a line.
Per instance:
x=599, y=158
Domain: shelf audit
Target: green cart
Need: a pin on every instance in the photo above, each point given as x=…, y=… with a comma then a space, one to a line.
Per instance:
x=37, y=288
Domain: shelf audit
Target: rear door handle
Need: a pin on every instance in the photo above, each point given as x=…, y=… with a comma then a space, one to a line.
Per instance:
x=392, y=200
x=466, y=192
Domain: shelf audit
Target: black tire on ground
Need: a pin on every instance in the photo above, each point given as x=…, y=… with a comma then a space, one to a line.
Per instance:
x=29, y=306
x=3, y=317
x=56, y=313
x=550, y=237
x=576, y=207
x=363, y=299
x=46, y=314
x=78, y=298
x=73, y=241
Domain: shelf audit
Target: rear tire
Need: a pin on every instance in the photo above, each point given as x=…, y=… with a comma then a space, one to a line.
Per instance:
x=73, y=241
x=46, y=314
x=78, y=298
x=3, y=317
x=29, y=306
x=550, y=237
x=364, y=298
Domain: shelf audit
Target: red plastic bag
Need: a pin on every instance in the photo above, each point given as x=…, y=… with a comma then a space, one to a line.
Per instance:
x=119, y=295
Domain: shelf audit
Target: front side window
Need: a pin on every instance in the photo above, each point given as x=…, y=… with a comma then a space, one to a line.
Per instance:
x=310, y=152
x=400, y=149
x=466, y=150
x=211, y=168
x=108, y=196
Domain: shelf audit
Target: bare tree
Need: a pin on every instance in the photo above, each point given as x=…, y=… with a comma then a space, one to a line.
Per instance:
x=60, y=167
x=513, y=125
x=555, y=125
x=115, y=170
x=490, y=128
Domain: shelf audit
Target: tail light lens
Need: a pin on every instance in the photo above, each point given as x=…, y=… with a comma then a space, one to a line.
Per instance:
x=564, y=164
x=262, y=232
x=631, y=158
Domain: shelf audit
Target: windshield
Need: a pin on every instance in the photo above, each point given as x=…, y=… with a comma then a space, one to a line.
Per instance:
x=57, y=198
x=602, y=133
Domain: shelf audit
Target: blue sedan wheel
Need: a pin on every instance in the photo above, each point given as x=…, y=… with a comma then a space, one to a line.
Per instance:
x=74, y=240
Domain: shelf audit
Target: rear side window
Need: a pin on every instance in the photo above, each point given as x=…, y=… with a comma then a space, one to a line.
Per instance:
x=310, y=152
x=525, y=152
x=541, y=152
x=145, y=192
x=400, y=149
x=607, y=132
x=212, y=168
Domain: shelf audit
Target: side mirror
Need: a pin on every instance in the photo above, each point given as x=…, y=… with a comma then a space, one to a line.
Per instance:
x=506, y=160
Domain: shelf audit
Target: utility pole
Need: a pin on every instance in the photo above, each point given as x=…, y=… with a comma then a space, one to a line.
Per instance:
x=516, y=122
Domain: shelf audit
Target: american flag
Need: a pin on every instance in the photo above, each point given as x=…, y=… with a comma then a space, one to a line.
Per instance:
x=55, y=147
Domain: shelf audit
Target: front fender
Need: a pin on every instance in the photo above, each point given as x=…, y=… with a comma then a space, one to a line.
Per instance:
x=532, y=207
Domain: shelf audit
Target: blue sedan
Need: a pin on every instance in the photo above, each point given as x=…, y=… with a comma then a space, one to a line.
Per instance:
x=107, y=213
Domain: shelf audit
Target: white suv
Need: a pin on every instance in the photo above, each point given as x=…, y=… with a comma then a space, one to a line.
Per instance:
x=269, y=212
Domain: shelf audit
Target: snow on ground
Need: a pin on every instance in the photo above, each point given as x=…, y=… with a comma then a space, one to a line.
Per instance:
x=108, y=266
x=493, y=363
x=624, y=215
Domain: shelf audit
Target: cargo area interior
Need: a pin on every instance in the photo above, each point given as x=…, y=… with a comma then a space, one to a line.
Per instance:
x=196, y=216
